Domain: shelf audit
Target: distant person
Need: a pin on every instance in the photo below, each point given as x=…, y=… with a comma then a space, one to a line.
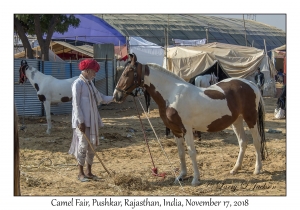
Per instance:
x=260, y=80
x=280, y=110
x=280, y=76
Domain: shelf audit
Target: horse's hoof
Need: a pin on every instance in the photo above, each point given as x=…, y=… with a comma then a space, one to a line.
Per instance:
x=195, y=182
x=177, y=180
x=256, y=172
x=233, y=172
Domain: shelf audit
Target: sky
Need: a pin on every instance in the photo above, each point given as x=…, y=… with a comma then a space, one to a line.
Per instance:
x=276, y=20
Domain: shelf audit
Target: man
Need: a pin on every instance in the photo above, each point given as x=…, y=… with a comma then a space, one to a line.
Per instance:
x=86, y=118
x=260, y=80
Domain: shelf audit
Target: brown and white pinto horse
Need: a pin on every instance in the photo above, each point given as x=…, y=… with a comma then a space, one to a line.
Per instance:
x=183, y=106
x=49, y=89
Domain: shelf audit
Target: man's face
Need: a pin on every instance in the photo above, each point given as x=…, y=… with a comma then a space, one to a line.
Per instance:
x=91, y=74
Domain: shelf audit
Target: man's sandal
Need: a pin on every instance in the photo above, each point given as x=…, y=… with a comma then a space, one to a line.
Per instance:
x=94, y=177
x=84, y=179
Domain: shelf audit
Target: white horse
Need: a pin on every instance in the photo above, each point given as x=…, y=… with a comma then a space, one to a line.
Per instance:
x=49, y=89
x=206, y=80
x=182, y=107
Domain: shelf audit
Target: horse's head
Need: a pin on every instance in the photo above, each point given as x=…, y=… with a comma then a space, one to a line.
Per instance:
x=130, y=79
x=22, y=75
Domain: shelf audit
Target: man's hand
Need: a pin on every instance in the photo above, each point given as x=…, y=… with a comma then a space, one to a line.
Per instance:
x=81, y=127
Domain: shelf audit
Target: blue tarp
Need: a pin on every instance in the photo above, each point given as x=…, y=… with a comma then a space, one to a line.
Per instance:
x=92, y=29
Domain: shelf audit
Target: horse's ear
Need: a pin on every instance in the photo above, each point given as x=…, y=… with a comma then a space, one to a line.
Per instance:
x=23, y=62
x=134, y=57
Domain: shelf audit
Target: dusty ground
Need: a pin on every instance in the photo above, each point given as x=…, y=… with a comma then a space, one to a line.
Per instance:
x=48, y=169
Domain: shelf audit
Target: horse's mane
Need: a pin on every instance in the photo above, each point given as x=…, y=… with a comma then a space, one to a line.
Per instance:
x=163, y=70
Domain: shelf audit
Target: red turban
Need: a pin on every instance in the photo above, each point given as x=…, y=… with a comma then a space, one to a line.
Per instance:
x=124, y=58
x=89, y=64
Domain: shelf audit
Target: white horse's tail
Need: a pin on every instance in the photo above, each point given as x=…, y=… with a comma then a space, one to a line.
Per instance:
x=261, y=127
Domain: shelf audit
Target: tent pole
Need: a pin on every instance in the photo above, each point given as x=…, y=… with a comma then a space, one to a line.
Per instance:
x=218, y=69
x=265, y=46
x=167, y=43
x=166, y=48
x=245, y=31
x=120, y=52
x=206, y=35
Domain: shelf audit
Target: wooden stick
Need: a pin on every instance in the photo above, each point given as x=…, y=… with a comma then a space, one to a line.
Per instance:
x=95, y=153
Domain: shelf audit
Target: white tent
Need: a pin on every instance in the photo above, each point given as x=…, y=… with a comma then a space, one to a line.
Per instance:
x=146, y=52
x=237, y=61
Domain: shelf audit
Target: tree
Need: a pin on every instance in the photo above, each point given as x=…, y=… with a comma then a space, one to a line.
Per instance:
x=40, y=25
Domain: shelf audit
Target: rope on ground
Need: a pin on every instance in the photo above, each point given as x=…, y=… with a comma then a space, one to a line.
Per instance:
x=171, y=166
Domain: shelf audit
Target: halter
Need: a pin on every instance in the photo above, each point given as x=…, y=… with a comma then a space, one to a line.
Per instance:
x=135, y=80
x=23, y=76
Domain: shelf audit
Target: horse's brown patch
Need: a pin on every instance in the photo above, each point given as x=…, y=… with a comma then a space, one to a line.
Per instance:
x=36, y=86
x=169, y=115
x=42, y=98
x=66, y=99
x=240, y=100
x=214, y=94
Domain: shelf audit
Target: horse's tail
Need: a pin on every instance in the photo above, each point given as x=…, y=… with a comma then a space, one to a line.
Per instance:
x=261, y=127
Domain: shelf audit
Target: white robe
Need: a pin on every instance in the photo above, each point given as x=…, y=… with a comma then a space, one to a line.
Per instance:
x=81, y=104
x=81, y=113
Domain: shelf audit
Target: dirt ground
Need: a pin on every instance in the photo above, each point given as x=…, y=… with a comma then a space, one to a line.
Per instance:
x=48, y=170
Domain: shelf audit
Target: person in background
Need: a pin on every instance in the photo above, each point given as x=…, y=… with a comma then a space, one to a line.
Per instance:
x=260, y=80
x=86, y=118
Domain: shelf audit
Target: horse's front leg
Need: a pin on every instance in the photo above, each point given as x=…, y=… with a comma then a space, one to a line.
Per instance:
x=147, y=99
x=189, y=138
x=181, y=153
x=48, y=116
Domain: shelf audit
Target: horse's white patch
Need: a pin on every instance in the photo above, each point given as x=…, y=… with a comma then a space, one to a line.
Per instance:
x=146, y=80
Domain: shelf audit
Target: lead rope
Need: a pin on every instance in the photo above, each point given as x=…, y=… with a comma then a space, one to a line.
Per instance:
x=171, y=166
x=154, y=169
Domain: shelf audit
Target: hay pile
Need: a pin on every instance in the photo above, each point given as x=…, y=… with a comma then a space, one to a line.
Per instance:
x=130, y=182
